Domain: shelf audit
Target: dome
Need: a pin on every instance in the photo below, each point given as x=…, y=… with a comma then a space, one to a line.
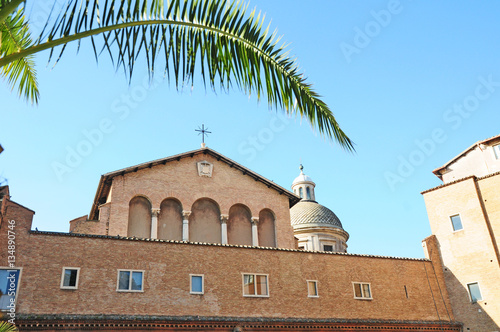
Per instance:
x=302, y=178
x=310, y=212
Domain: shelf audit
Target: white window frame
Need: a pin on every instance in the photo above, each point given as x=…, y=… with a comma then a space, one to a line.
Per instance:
x=315, y=287
x=461, y=222
x=363, y=297
x=130, y=281
x=77, y=277
x=202, y=284
x=243, y=274
x=470, y=295
x=496, y=151
x=18, y=282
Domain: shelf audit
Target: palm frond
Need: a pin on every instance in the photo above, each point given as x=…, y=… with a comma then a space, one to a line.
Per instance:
x=14, y=38
x=7, y=7
x=7, y=327
x=212, y=38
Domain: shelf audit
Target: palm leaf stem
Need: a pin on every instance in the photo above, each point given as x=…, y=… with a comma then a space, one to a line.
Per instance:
x=9, y=8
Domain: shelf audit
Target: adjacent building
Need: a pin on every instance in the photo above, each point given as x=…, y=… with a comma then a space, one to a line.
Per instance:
x=464, y=214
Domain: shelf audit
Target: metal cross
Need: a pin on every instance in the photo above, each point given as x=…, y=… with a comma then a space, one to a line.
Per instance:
x=203, y=132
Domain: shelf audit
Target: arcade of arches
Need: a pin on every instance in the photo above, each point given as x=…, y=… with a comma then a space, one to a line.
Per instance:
x=203, y=223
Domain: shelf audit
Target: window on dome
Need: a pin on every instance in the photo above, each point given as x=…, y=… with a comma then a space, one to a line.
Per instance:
x=308, y=193
x=301, y=193
x=327, y=247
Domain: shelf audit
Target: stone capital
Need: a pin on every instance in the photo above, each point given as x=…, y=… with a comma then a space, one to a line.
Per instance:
x=255, y=220
x=186, y=214
x=224, y=218
x=155, y=212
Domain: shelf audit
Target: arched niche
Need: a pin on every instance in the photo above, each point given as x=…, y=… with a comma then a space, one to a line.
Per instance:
x=267, y=228
x=170, y=220
x=239, y=226
x=204, y=222
x=139, y=217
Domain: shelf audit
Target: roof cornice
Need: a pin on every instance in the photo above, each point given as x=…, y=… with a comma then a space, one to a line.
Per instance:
x=187, y=243
x=475, y=178
x=438, y=170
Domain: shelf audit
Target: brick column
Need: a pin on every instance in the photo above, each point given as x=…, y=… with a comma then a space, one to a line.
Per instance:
x=185, y=225
x=255, y=232
x=154, y=223
x=223, y=224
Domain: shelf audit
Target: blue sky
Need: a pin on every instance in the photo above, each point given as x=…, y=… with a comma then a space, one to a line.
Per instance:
x=412, y=83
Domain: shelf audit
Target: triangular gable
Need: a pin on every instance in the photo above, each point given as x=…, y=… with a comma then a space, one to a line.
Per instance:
x=106, y=179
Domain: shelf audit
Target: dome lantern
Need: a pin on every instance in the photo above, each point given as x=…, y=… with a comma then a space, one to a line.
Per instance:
x=303, y=186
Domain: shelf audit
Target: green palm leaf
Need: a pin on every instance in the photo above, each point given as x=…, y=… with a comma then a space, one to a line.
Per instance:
x=7, y=327
x=14, y=38
x=214, y=38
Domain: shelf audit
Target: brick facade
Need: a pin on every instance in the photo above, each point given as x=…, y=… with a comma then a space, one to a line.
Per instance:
x=404, y=294
x=405, y=291
x=179, y=179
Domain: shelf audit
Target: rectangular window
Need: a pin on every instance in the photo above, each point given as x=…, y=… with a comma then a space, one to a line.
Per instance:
x=130, y=281
x=255, y=285
x=312, y=288
x=456, y=222
x=9, y=287
x=196, y=284
x=362, y=290
x=69, y=278
x=327, y=247
x=474, y=292
x=496, y=150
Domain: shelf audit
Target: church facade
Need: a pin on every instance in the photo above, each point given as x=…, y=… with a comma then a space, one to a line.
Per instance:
x=198, y=242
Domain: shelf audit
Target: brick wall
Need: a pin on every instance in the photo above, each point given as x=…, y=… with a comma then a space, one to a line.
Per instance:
x=180, y=180
x=166, y=280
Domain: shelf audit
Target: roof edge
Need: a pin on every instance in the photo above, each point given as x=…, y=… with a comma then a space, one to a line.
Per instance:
x=126, y=238
x=460, y=180
x=437, y=170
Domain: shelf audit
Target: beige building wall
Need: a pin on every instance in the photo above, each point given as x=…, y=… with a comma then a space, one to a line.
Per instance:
x=469, y=255
x=479, y=160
